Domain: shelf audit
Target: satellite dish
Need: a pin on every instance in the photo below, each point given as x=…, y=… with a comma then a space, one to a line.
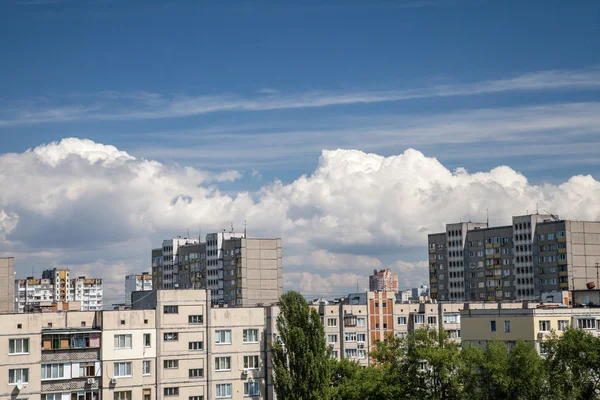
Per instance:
x=20, y=384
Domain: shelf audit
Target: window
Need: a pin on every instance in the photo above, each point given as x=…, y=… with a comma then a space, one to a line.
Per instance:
x=171, y=336
x=419, y=318
x=551, y=236
x=586, y=323
x=331, y=322
x=53, y=371
x=451, y=318
x=250, y=336
x=147, y=340
x=196, y=373
x=19, y=374
x=384, y=304
x=251, y=389
x=123, y=395
x=196, y=346
x=146, y=367
x=196, y=398
x=563, y=325
x=18, y=346
x=171, y=391
x=122, y=369
x=544, y=326
x=196, y=319
x=87, y=369
x=492, y=326
x=171, y=364
x=222, y=363
x=489, y=251
x=331, y=338
x=431, y=320
x=223, y=337
x=360, y=322
x=251, y=362
x=350, y=337
x=506, y=326
x=560, y=234
x=171, y=309
x=401, y=320
x=223, y=391
x=122, y=342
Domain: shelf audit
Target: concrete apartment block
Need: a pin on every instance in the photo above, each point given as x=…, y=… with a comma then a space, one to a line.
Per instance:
x=129, y=354
x=238, y=352
x=7, y=285
x=511, y=322
x=534, y=255
x=383, y=281
x=137, y=283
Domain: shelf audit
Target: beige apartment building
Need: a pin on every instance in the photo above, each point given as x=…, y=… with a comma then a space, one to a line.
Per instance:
x=531, y=322
x=7, y=285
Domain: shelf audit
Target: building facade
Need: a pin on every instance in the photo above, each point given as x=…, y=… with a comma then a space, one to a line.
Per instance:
x=137, y=283
x=536, y=254
x=383, y=281
x=530, y=322
x=7, y=291
x=238, y=271
x=57, y=286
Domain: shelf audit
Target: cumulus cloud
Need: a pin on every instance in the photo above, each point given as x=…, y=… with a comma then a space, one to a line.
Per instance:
x=96, y=208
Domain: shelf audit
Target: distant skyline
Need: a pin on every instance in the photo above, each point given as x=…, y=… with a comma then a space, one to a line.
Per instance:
x=350, y=129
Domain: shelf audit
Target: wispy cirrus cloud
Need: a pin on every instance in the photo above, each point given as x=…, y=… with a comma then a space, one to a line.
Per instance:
x=145, y=106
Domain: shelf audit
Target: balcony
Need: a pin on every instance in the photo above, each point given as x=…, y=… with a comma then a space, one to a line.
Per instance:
x=432, y=280
x=67, y=356
x=61, y=340
x=68, y=385
x=564, y=285
x=562, y=251
x=563, y=273
x=562, y=262
x=488, y=246
x=432, y=261
x=431, y=251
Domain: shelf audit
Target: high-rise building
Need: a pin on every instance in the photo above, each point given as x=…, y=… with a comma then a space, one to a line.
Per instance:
x=56, y=286
x=137, y=283
x=7, y=288
x=383, y=281
x=535, y=254
x=238, y=271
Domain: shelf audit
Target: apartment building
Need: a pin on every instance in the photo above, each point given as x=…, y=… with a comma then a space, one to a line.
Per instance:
x=165, y=262
x=7, y=291
x=252, y=271
x=238, y=271
x=136, y=283
x=530, y=322
x=534, y=255
x=383, y=281
x=128, y=353
x=57, y=286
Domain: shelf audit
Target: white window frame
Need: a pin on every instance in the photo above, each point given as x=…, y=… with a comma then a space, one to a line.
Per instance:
x=147, y=340
x=331, y=322
x=193, y=347
x=171, y=391
x=250, y=336
x=193, y=375
x=21, y=374
x=223, y=336
x=14, y=346
x=117, y=369
x=332, y=336
x=223, y=391
x=196, y=319
x=56, y=370
x=122, y=344
x=223, y=360
x=402, y=320
x=545, y=325
x=361, y=321
x=251, y=362
x=171, y=336
x=419, y=318
x=171, y=364
x=251, y=393
x=146, y=367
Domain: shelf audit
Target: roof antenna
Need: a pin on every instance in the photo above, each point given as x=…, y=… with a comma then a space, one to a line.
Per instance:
x=537, y=210
x=231, y=226
x=199, y=234
x=487, y=217
x=245, y=226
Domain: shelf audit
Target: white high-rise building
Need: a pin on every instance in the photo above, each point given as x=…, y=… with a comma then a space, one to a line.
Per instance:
x=137, y=283
x=56, y=286
x=214, y=263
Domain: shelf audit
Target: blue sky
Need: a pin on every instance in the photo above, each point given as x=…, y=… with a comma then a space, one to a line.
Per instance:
x=263, y=87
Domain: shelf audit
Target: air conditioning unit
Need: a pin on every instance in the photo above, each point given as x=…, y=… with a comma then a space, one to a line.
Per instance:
x=91, y=381
x=113, y=381
x=245, y=371
x=541, y=335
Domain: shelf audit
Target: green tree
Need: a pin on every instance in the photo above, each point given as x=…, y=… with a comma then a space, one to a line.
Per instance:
x=573, y=363
x=301, y=364
x=484, y=373
x=350, y=381
x=528, y=373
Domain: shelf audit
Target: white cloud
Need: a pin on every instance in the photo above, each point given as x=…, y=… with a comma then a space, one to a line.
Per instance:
x=155, y=105
x=86, y=203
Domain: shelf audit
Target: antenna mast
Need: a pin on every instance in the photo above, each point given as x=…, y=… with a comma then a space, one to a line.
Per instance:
x=245, y=227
